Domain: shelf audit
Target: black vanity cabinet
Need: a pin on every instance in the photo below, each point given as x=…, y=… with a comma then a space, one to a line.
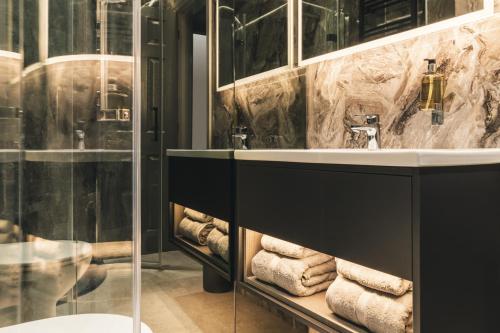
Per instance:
x=436, y=226
x=203, y=181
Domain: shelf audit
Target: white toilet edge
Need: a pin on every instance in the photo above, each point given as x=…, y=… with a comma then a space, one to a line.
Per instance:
x=81, y=323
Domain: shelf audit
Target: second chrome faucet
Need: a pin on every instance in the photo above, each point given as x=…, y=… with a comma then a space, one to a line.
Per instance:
x=371, y=127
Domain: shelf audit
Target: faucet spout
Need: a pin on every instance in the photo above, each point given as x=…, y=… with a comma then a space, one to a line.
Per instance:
x=240, y=137
x=372, y=130
x=81, y=139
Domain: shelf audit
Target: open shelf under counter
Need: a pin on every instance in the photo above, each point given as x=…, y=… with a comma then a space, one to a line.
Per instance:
x=199, y=252
x=313, y=306
x=415, y=214
x=203, y=254
x=311, y=309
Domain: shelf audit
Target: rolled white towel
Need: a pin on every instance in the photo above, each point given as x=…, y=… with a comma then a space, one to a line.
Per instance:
x=221, y=225
x=300, y=277
x=373, y=279
x=195, y=231
x=197, y=216
x=9, y=232
x=223, y=248
x=285, y=248
x=218, y=243
x=379, y=312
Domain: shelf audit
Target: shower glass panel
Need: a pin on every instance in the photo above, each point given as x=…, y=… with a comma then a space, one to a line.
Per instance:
x=66, y=156
x=260, y=36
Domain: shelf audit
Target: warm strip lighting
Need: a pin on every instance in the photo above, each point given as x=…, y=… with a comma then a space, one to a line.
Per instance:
x=77, y=57
x=11, y=55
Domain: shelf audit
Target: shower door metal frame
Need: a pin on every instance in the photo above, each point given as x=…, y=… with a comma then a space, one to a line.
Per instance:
x=136, y=167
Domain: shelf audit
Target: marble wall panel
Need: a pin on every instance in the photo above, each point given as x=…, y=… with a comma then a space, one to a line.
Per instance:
x=273, y=111
x=64, y=96
x=9, y=186
x=387, y=80
x=10, y=101
x=223, y=118
x=10, y=73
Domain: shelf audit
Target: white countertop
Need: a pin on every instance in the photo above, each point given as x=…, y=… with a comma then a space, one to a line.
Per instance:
x=382, y=157
x=199, y=153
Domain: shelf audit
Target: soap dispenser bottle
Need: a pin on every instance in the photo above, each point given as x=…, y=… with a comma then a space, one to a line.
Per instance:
x=431, y=96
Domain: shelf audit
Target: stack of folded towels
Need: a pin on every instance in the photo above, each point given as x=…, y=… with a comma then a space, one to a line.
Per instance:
x=218, y=239
x=298, y=270
x=196, y=226
x=379, y=301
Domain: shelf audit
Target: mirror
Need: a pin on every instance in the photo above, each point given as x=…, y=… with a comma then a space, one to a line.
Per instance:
x=261, y=38
x=330, y=25
x=225, y=12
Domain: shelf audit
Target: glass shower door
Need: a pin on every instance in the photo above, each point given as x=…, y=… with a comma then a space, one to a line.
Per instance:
x=10, y=155
x=67, y=227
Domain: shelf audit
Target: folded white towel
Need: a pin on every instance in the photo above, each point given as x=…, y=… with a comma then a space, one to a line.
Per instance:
x=195, y=231
x=197, y=216
x=373, y=279
x=285, y=248
x=379, y=312
x=218, y=243
x=300, y=277
x=221, y=225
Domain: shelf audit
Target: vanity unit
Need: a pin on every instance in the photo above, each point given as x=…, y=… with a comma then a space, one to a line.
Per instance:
x=424, y=215
x=427, y=216
x=203, y=180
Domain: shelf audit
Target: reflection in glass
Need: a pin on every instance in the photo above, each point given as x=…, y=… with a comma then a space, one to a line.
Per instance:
x=260, y=36
x=65, y=177
x=9, y=25
x=330, y=25
x=320, y=27
x=225, y=42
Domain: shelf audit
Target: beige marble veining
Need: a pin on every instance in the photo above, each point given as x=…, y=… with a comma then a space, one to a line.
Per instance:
x=387, y=80
x=10, y=72
x=273, y=110
x=56, y=96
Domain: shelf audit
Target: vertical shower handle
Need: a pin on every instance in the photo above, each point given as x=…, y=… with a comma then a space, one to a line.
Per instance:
x=156, y=122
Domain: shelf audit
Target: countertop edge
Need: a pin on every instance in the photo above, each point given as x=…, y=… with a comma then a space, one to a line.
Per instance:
x=225, y=154
x=415, y=159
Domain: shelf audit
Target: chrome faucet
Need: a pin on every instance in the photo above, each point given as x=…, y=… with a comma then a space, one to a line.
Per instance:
x=372, y=130
x=240, y=137
x=80, y=134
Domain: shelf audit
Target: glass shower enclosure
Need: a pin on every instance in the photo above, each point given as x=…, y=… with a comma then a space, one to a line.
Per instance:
x=69, y=188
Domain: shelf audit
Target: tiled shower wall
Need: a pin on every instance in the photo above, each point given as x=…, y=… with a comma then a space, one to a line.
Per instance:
x=313, y=106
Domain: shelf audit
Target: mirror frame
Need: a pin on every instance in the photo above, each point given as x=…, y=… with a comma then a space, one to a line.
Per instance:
x=488, y=10
x=256, y=77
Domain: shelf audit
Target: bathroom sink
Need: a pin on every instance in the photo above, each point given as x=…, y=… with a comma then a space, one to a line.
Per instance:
x=382, y=157
x=202, y=153
x=78, y=155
